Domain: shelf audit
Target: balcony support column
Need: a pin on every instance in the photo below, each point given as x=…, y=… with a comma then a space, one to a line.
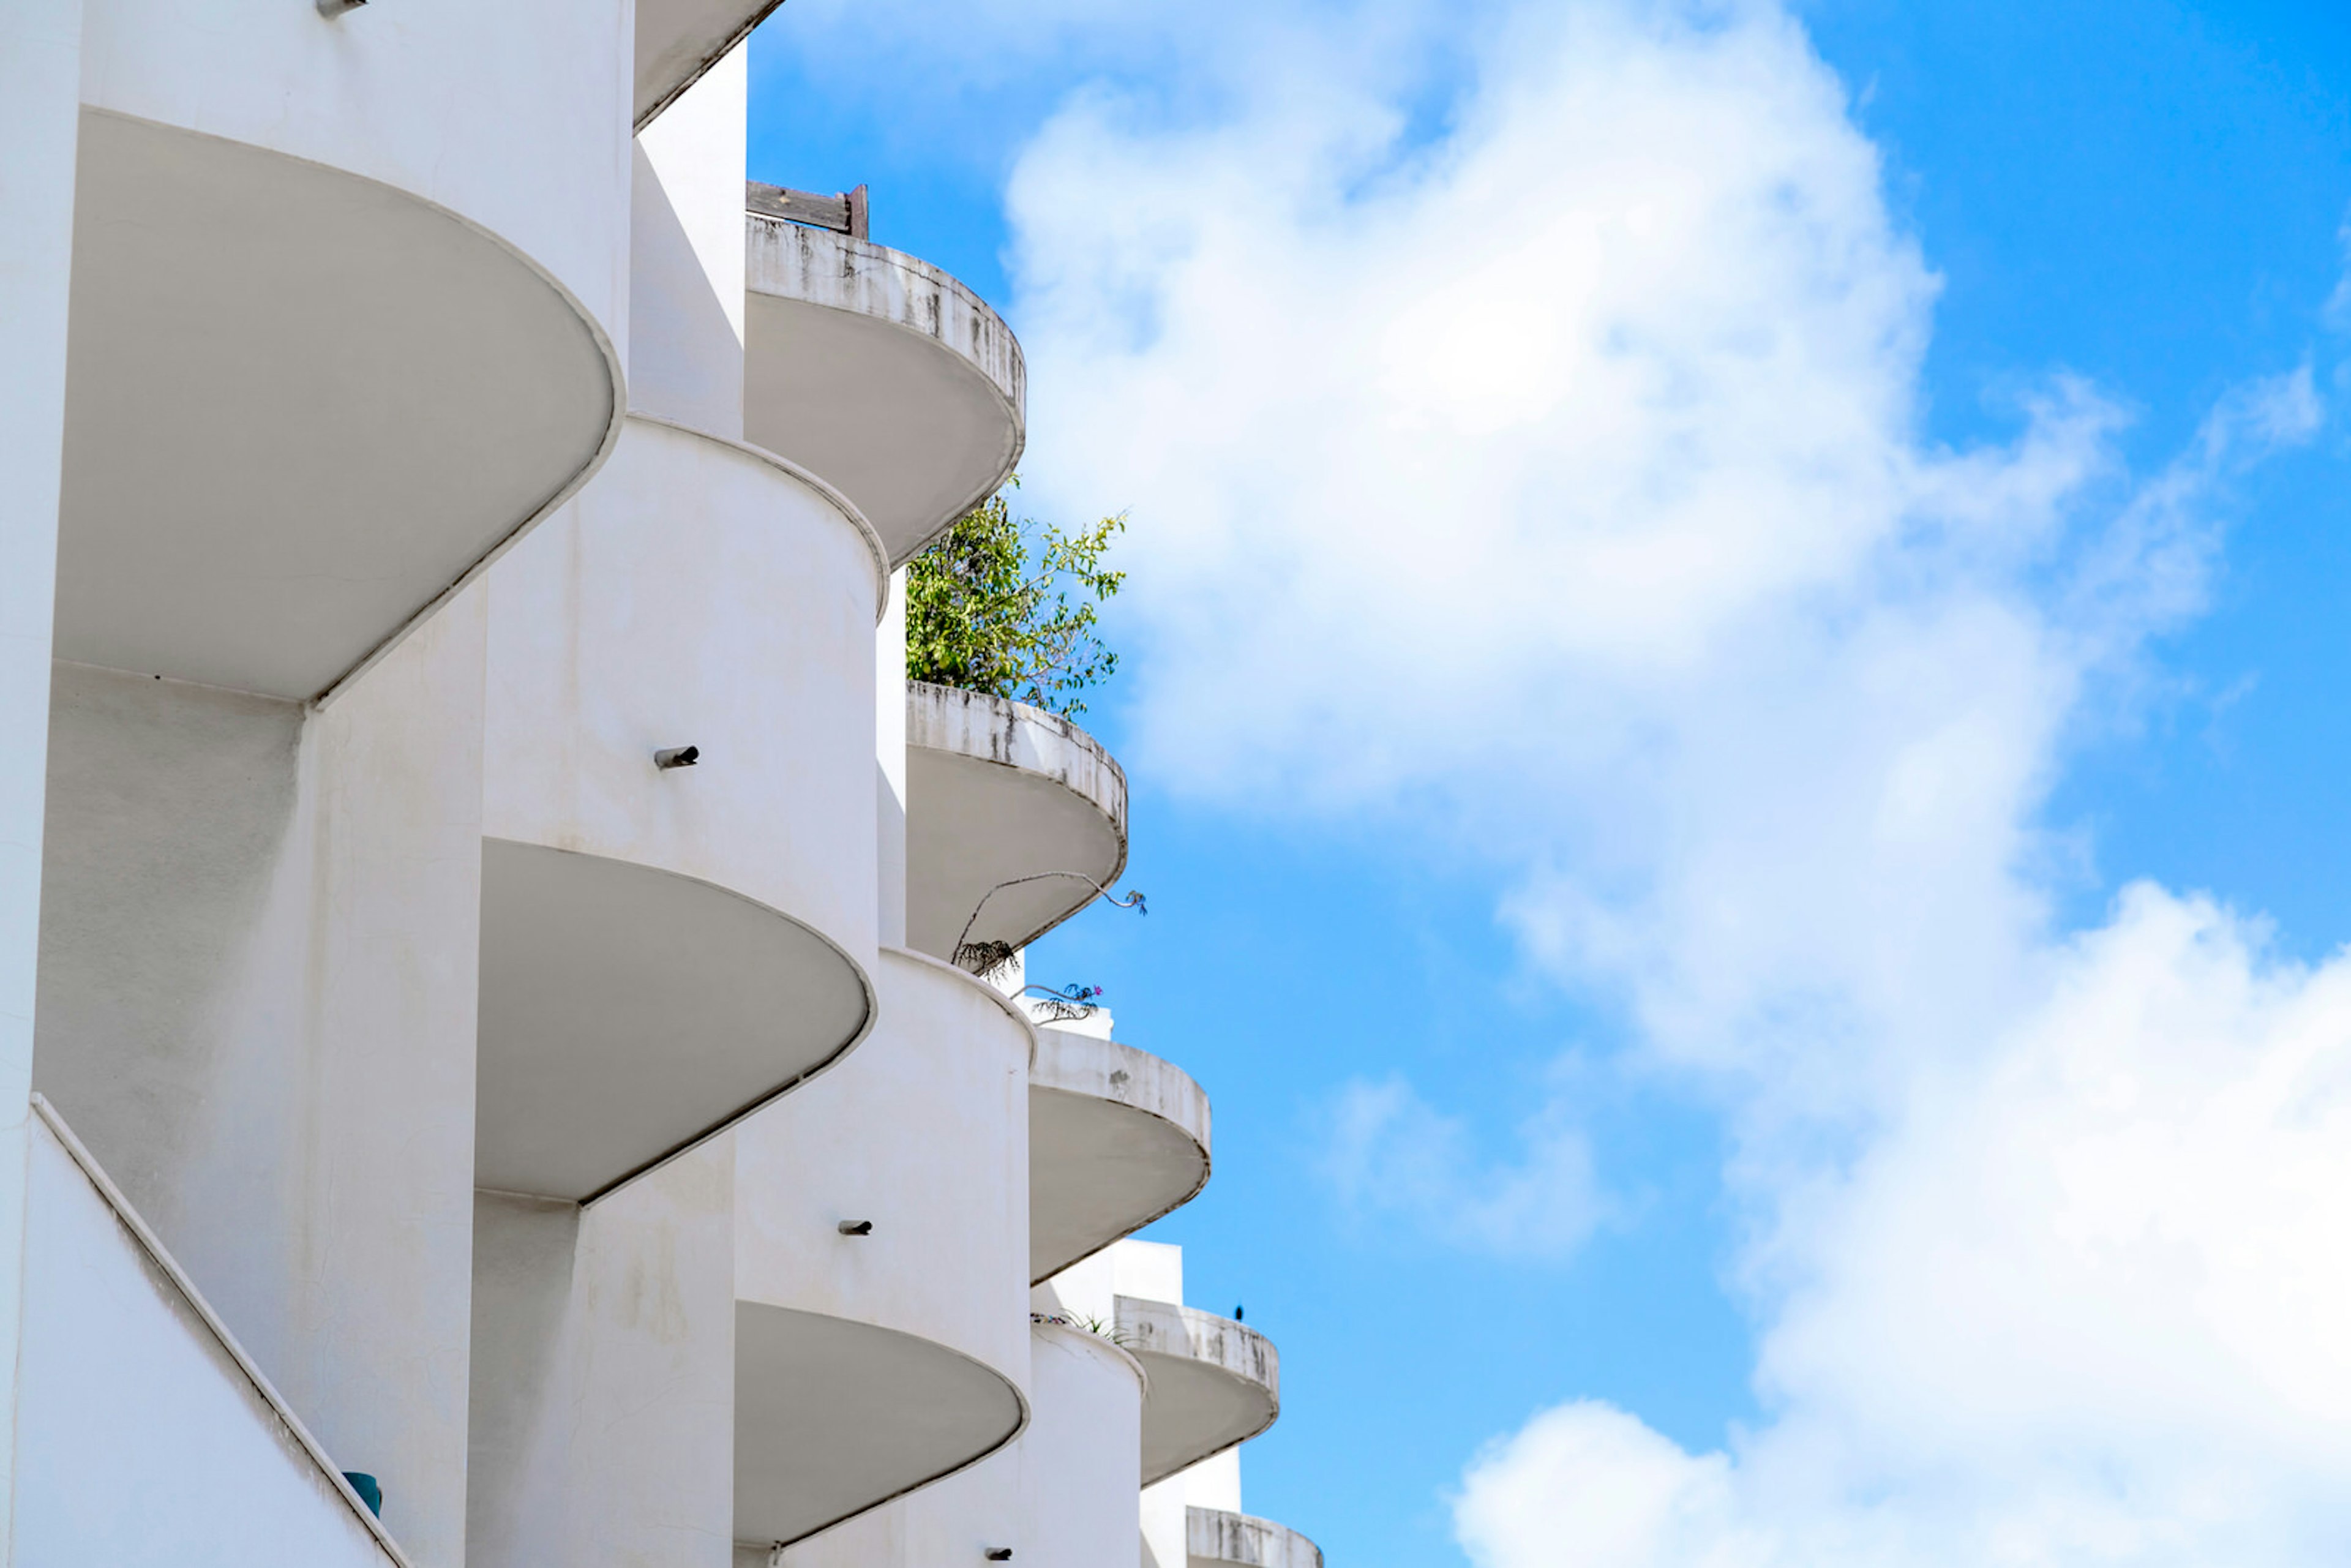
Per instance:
x=605, y=1374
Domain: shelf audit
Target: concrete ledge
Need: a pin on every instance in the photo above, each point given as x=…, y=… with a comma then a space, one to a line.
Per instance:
x=1117, y=1138
x=881, y=372
x=997, y=790
x=1214, y=1382
x=1213, y=1537
x=1088, y=1342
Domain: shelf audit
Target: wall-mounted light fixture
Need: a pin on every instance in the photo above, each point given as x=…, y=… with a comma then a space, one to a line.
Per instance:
x=677, y=757
x=855, y=1227
x=337, y=7
x=999, y=1554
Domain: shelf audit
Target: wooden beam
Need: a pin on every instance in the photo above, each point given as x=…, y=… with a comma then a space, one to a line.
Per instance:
x=844, y=214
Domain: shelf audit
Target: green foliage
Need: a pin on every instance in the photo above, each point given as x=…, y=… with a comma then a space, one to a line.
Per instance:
x=989, y=607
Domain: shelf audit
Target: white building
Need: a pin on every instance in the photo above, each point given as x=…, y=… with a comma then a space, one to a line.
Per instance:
x=405, y=435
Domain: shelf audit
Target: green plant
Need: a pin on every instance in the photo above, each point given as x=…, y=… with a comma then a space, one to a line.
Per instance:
x=1088, y=1324
x=989, y=608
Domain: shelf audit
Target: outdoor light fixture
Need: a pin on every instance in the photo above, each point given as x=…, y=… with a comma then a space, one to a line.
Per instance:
x=999, y=1554
x=855, y=1227
x=677, y=757
x=337, y=7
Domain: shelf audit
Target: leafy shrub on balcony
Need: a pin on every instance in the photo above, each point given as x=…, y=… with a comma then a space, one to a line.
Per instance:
x=1002, y=606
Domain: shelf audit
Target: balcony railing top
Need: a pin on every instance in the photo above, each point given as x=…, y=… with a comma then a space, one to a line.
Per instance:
x=844, y=213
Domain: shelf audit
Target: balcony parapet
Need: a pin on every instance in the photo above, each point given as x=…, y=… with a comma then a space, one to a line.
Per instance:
x=881, y=1249
x=803, y=477
x=997, y=792
x=1117, y=1138
x=1214, y=1382
x=1214, y=1539
x=881, y=372
x=664, y=950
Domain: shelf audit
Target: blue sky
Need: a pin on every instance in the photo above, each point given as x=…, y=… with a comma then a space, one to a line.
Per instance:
x=1638, y=798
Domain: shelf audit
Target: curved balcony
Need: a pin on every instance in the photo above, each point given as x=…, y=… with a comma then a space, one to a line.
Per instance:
x=875, y=1359
x=342, y=297
x=1061, y=1496
x=1213, y=1538
x=834, y=1417
x=998, y=790
x=678, y=40
x=1116, y=1139
x=664, y=950
x=1214, y=1382
x=302, y=403
x=881, y=374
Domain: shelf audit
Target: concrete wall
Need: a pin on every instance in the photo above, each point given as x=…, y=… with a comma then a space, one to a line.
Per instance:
x=40, y=70
x=1215, y=1482
x=685, y=269
x=1082, y=1452
x=1148, y=1270
x=514, y=116
x=890, y=760
x=142, y=1440
x=1164, y=1544
x=257, y=991
x=603, y=1374
x=1153, y=1271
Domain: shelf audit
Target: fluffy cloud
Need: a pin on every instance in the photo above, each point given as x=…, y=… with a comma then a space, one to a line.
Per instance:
x=2085, y=1301
x=1433, y=449
x=1552, y=481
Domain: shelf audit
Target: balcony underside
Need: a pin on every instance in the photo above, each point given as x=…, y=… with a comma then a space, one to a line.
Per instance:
x=627, y=1012
x=881, y=374
x=997, y=792
x=1213, y=1383
x=301, y=406
x=678, y=40
x=1116, y=1139
x=833, y=1417
x=1216, y=1539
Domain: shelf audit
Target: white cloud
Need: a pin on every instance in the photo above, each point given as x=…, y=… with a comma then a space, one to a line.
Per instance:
x=1556, y=486
x=1430, y=449
x=1391, y=1157
x=2086, y=1300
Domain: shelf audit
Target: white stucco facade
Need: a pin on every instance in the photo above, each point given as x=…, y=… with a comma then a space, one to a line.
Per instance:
x=485, y=1075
